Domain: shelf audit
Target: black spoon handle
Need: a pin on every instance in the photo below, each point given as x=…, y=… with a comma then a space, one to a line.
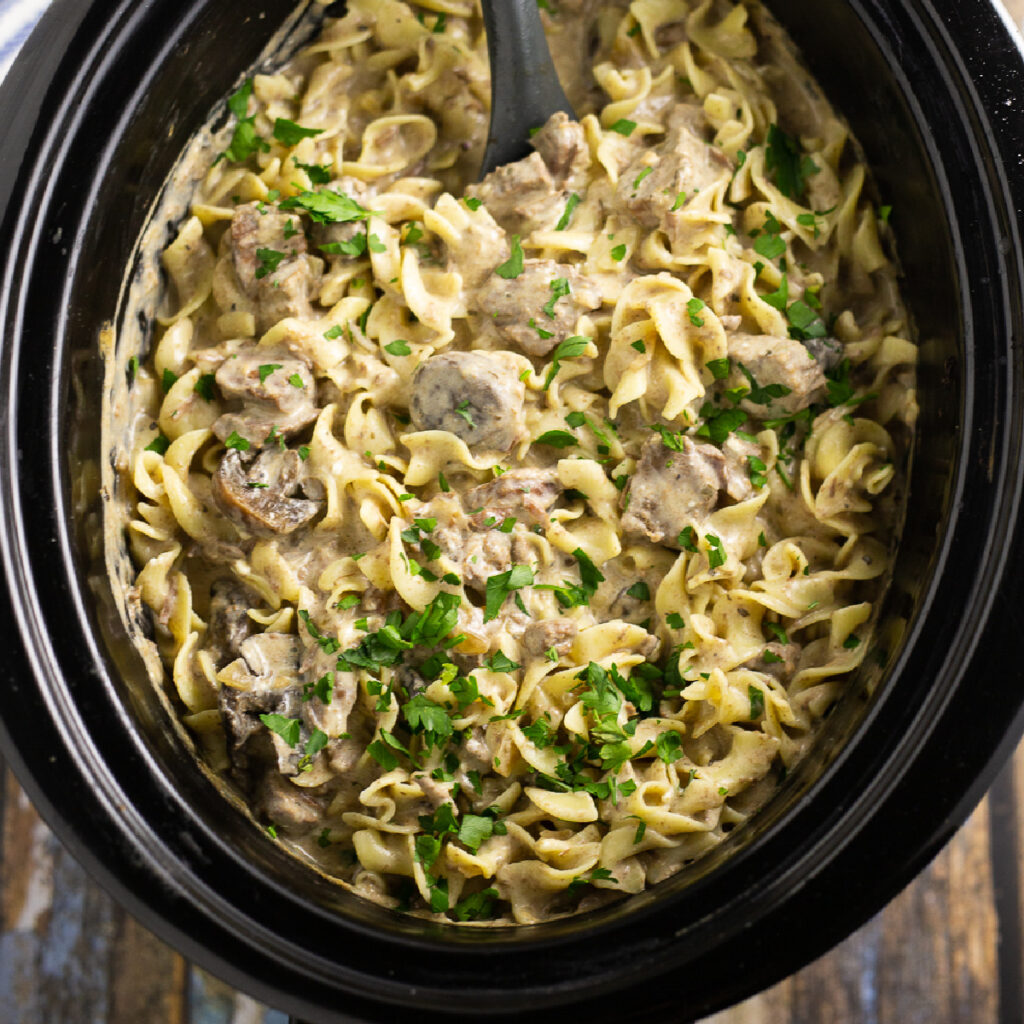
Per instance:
x=525, y=90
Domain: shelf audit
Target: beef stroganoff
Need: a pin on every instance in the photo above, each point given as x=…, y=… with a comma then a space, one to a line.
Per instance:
x=506, y=542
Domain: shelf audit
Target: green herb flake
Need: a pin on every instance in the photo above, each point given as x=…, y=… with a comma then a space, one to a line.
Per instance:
x=159, y=444
x=289, y=133
x=719, y=368
x=559, y=290
x=266, y=370
x=205, y=387
x=639, y=591
x=623, y=127
x=693, y=308
x=287, y=728
x=756, y=697
x=398, y=347
x=270, y=260
x=473, y=203
x=327, y=206
x=557, y=439
x=236, y=441
x=570, y=348
x=318, y=174
x=851, y=642
x=513, y=266
x=619, y=253
x=785, y=160
x=502, y=584
x=571, y=203
x=167, y=380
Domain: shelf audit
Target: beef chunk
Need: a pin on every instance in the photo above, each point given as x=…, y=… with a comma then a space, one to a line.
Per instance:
x=783, y=361
x=285, y=397
x=778, y=660
x=684, y=162
x=475, y=395
x=526, y=493
x=540, y=637
x=538, y=309
x=827, y=351
x=230, y=624
x=260, y=497
x=521, y=196
x=671, y=489
x=269, y=252
x=288, y=805
x=563, y=148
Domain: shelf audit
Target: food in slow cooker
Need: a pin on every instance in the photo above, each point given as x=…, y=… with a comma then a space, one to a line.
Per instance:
x=508, y=541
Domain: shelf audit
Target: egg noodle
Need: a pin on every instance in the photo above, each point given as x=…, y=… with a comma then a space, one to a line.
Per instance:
x=507, y=542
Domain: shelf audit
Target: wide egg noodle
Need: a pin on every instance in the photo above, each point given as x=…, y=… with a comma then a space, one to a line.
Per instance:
x=622, y=675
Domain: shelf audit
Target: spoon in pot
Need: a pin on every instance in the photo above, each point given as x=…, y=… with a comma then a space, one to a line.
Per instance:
x=525, y=90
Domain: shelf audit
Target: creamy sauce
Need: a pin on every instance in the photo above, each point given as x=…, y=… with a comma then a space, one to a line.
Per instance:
x=506, y=542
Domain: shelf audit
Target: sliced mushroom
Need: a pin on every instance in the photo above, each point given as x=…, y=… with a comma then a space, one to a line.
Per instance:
x=476, y=396
x=260, y=497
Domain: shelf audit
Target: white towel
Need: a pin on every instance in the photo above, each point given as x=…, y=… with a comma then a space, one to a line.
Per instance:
x=17, y=19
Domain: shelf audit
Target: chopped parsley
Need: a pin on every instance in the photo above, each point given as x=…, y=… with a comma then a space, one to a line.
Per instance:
x=786, y=162
x=513, y=266
x=327, y=206
x=623, y=127
x=266, y=369
x=571, y=204
x=236, y=441
x=291, y=134
x=570, y=348
x=398, y=347
x=693, y=308
x=756, y=697
x=559, y=290
x=501, y=585
x=557, y=439
x=244, y=141
x=160, y=444
x=269, y=260
x=619, y=253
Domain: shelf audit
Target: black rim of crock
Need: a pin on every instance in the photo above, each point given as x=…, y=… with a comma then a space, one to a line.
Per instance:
x=62, y=725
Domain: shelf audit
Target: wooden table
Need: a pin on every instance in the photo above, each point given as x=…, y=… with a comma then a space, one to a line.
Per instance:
x=947, y=950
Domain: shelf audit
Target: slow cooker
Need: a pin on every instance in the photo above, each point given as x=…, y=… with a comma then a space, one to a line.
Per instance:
x=94, y=115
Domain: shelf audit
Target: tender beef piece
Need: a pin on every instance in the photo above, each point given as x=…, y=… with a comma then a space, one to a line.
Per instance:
x=270, y=655
x=270, y=508
x=509, y=305
x=782, y=361
x=521, y=196
x=483, y=555
x=272, y=402
x=670, y=489
x=540, y=637
x=288, y=805
x=827, y=351
x=684, y=162
x=780, y=661
x=240, y=711
x=528, y=494
x=735, y=479
x=286, y=290
x=477, y=396
x=230, y=624
x=564, y=150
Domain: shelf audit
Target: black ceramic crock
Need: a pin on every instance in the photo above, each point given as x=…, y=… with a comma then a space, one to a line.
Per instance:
x=92, y=118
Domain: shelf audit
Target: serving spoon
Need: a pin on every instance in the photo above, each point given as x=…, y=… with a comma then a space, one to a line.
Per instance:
x=525, y=90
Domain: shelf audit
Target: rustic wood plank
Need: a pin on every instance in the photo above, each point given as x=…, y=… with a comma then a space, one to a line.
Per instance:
x=928, y=958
